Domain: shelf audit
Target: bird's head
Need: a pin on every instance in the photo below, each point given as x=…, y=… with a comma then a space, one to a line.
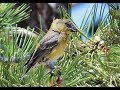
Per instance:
x=63, y=25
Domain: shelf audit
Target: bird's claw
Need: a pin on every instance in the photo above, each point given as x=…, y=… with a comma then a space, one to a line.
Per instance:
x=51, y=73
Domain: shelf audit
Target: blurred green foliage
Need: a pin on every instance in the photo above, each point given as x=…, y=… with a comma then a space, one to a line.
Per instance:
x=83, y=64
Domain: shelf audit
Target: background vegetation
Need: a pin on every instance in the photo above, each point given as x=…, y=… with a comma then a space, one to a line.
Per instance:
x=95, y=62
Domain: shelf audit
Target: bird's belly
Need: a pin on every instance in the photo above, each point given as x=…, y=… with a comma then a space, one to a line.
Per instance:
x=57, y=51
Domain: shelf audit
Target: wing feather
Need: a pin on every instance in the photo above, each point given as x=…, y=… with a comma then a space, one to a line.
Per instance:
x=46, y=45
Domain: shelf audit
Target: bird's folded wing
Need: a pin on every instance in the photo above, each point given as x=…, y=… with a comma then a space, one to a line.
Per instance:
x=46, y=45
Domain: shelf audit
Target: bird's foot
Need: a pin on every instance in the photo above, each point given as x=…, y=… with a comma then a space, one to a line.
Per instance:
x=55, y=71
x=58, y=73
x=59, y=80
x=52, y=73
x=51, y=66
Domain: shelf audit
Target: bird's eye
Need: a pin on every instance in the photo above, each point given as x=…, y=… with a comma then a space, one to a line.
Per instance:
x=67, y=24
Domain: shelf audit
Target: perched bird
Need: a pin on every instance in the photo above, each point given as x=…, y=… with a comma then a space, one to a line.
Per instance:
x=53, y=44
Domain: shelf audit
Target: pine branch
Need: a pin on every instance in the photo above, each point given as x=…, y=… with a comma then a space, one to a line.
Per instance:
x=11, y=16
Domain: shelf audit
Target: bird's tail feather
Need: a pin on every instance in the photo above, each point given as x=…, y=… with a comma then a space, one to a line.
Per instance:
x=30, y=63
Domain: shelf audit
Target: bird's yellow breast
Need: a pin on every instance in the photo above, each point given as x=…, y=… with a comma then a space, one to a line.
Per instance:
x=58, y=50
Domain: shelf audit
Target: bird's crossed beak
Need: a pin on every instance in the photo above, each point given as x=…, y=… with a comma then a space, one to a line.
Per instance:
x=71, y=27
